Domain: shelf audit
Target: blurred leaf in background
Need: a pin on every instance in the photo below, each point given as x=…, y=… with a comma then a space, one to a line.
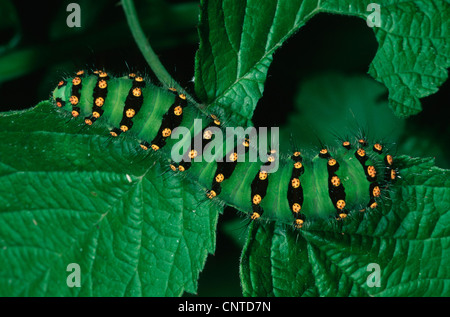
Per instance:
x=51, y=50
x=330, y=101
x=10, y=30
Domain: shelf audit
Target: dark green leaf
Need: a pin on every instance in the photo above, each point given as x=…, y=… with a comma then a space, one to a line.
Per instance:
x=409, y=238
x=238, y=40
x=73, y=196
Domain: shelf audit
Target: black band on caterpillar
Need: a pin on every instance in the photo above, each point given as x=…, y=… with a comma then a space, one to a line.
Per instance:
x=295, y=191
x=171, y=119
x=76, y=93
x=133, y=104
x=336, y=189
x=260, y=184
x=99, y=97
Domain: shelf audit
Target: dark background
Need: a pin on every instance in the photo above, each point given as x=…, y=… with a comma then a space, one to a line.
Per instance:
x=37, y=48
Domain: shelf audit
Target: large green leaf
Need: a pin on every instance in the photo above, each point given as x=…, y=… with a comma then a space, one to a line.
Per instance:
x=238, y=40
x=409, y=238
x=69, y=195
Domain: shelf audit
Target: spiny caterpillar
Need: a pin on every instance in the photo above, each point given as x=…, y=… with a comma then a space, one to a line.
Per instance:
x=295, y=191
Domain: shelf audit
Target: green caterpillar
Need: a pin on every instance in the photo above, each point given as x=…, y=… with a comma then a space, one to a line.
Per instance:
x=290, y=189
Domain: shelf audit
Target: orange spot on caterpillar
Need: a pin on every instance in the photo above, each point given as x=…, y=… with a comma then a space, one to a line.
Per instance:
x=73, y=100
x=363, y=142
x=393, y=174
x=99, y=101
x=76, y=81
x=233, y=157
x=371, y=171
x=335, y=181
x=255, y=216
x=296, y=208
x=256, y=199
x=295, y=182
x=130, y=113
x=298, y=223
x=389, y=159
x=262, y=175
x=166, y=132
x=193, y=154
x=137, y=92
x=340, y=204
x=378, y=147
x=207, y=134
x=178, y=111
x=376, y=191
x=102, y=84
x=211, y=194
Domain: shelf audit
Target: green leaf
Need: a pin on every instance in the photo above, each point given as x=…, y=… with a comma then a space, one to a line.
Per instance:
x=409, y=238
x=69, y=195
x=238, y=40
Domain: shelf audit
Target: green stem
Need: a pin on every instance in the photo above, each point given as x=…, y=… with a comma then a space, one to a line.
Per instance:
x=150, y=56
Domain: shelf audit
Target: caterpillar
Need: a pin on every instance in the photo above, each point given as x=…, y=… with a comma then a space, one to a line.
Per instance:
x=290, y=188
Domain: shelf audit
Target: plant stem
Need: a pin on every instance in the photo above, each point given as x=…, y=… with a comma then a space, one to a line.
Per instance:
x=150, y=56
